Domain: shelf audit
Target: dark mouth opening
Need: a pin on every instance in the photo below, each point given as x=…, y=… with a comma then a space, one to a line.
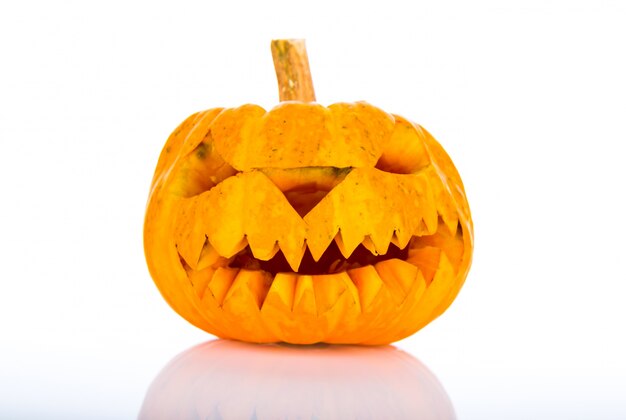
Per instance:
x=332, y=261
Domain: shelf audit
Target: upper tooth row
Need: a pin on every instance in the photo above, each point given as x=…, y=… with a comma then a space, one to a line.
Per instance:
x=249, y=209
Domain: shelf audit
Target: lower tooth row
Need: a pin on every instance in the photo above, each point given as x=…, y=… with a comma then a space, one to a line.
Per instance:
x=398, y=277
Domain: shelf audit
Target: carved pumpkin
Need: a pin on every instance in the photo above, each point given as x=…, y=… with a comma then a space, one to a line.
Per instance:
x=305, y=223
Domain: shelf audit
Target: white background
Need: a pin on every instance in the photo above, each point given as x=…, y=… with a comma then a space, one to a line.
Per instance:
x=528, y=97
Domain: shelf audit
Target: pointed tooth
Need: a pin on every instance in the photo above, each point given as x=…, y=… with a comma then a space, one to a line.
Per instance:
x=422, y=229
x=347, y=248
x=319, y=242
x=451, y=223
x=209, y=257
x=221, y=283
x=247, y=291
x=281, y=294
x=447, y=208
x=338, y=305
x=200, y=280
x=328, y=289
x=380, y=310
x=401, y=238
x=263, y=251
x=190, y=252
x=259, y=283
x=409, y=317
x=428, y=201
x=189, y=233
x=292, y=243
x=369, y=245
x=396, y=241
x=431, y=219
x=382, y=239
x=304, y=297
x=368, y=284
x=351, y=292
x=426, y=259
x=350, y=239
x=398, y=276
x=277, y=308
x=438, y=296
x=445, y=266
x=294, y=255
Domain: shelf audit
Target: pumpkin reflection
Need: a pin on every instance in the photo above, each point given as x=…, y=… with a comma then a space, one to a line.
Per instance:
x=232, y=380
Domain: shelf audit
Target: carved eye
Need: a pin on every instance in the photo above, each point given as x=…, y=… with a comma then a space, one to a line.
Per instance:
x=201, y=170
x=405, y=152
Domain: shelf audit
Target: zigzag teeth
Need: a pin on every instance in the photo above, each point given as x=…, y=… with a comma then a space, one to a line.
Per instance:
x=332, y=296
x=294, y=250
x=220, y=247
x=313, y=295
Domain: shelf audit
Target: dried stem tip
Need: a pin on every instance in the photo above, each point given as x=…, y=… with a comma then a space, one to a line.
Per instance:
x=292, y=70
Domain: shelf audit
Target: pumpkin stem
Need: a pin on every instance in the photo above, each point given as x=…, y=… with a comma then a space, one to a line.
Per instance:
x=292, y=70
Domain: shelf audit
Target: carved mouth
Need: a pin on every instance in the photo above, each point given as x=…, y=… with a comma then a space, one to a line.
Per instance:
x=402, y=270
x=282, y=231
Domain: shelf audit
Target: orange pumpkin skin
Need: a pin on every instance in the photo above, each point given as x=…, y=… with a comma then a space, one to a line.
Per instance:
x=306, y=224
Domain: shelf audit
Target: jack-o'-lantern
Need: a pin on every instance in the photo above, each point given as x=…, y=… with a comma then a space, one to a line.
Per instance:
x=305, y=223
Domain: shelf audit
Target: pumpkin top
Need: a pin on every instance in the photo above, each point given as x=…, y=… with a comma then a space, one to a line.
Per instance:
x=297, y=134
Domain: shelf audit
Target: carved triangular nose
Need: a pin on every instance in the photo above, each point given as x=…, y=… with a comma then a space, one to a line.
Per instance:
x=304, y=188
x=304, y=200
